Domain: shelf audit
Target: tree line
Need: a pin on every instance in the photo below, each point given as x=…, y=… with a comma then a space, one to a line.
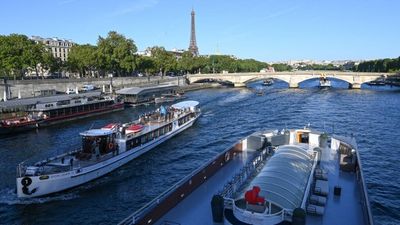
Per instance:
x=114, y=54
x=380, y=65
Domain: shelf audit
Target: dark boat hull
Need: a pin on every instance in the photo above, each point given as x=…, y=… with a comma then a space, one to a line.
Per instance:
x=59, y=119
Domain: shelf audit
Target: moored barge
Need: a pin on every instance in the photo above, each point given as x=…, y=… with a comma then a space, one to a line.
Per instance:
x=49, y=113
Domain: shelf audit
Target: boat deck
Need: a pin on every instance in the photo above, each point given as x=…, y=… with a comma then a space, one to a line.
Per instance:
x=195, y=209
x=343, y=209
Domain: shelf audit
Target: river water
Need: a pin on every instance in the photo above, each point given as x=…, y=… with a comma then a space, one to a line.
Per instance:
x=371, y=114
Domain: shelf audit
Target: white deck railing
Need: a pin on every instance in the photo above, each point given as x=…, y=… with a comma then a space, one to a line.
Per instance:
x=257, y=218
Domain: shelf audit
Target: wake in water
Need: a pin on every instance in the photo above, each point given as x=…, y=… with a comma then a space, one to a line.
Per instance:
x=9, y=197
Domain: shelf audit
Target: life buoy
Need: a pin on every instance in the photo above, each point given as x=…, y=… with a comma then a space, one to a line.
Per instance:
x=227, y=156
x=111, y=145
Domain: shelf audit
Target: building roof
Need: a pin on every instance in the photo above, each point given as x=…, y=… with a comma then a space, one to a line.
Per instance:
x=142, y=90
x=283, y=179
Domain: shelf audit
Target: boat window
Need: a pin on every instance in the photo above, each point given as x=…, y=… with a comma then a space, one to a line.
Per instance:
x=93, y=145
x=143, y=139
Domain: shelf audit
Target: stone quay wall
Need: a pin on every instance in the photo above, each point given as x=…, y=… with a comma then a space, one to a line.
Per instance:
x=32, y=88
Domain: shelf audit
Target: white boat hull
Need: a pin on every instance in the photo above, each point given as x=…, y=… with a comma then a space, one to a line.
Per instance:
x=35, y=186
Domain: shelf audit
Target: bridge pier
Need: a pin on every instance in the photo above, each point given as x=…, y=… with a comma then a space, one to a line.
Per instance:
x=239, y=84
x=293, y=85
x=354, y=86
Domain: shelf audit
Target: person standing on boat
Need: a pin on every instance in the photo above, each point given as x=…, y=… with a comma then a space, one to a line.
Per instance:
x=97, y=148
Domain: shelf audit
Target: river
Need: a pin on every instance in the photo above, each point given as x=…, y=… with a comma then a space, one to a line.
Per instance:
x=371, y=114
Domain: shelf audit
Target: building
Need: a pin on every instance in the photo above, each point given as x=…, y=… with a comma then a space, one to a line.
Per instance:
x=58, y=47
x=177, y=53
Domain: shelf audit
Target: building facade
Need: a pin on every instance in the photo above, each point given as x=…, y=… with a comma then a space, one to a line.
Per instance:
x=58, y=47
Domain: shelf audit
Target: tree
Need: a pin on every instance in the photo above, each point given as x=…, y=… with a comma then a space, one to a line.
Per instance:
x=282, y=67
x=82, y=58
x=18, y=53
x=380, y=65
x=163, y=60
x=115, y=53
x=186, y=62
x=146, y=65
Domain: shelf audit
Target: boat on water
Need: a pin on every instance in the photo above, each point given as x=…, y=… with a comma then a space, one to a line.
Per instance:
x=296, y=176
x=168, y=98
x=268, y=82
x=49, y=113
x=324, y=82
x=104, y=150
x=377, y=82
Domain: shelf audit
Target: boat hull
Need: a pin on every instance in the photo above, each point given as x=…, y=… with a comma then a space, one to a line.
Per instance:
x=35, y=186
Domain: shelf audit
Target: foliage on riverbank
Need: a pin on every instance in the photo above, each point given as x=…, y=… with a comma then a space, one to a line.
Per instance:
x=114, y=54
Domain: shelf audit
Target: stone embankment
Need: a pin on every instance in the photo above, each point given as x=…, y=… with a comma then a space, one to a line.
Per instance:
x=32, y=88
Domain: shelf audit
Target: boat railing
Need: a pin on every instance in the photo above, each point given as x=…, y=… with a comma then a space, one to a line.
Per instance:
x=364, y=193
x=246, y=172
x=21, y=168
x=258, y=218
x=310, y=181
x=140, y=213
x=360, y=176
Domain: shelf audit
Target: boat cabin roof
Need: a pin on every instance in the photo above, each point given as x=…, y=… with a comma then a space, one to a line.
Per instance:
x=185, y=104
x=143, y=90
x=96, y=133
x=283, y=179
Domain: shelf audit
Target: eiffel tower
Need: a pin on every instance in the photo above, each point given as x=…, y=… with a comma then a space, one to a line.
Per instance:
x=193, y=45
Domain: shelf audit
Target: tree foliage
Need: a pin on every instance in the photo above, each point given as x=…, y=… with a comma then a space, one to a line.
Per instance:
x=18, y=53
x=380, y=65
x=320, y=67
x=83, y=59
x=115, y=54
x=282, y=67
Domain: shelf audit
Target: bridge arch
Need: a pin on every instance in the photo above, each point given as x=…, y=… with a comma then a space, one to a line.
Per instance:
x=265, y=78
x=212, y=80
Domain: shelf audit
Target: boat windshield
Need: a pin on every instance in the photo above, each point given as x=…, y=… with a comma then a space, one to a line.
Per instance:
x=97, y=145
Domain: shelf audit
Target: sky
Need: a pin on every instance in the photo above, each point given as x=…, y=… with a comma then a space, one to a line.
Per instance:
x=266, y=30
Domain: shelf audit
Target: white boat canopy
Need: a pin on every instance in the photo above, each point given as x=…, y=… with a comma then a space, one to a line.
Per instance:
x=283, y=180
x=185, y=104
x=96, y=133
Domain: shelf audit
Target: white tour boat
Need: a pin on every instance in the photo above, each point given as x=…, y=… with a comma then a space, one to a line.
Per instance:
x=324, y=82
x=104, y=150
x=296, y=176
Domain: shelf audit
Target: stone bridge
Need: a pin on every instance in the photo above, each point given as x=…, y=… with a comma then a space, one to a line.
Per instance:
x=355, y=79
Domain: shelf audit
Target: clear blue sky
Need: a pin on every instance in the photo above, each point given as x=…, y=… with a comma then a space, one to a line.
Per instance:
x=267, y=30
